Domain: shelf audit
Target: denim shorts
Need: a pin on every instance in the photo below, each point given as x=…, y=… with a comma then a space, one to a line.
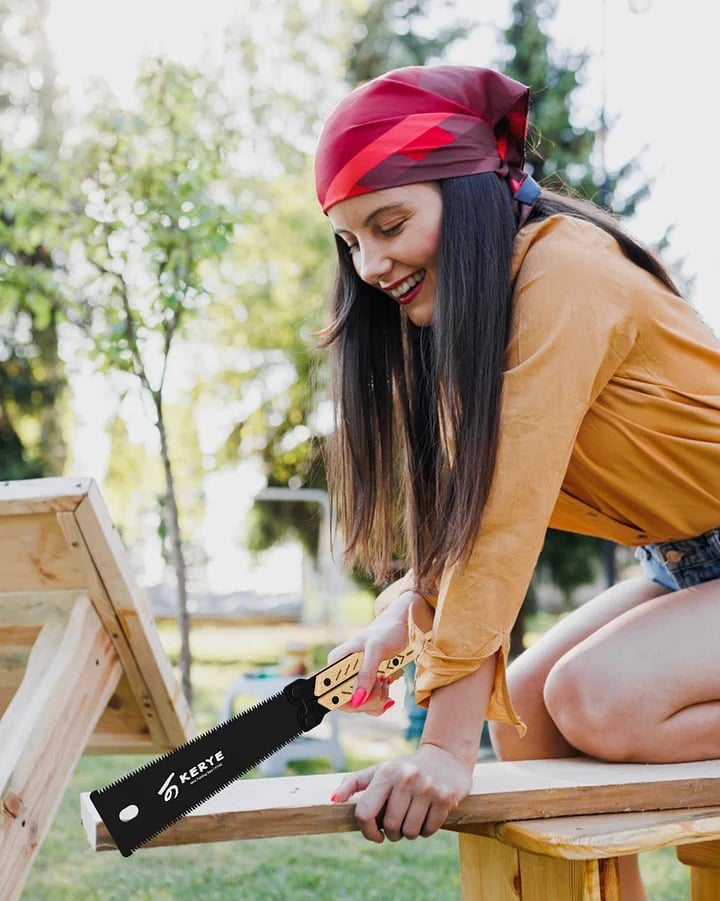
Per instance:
x=682, y=563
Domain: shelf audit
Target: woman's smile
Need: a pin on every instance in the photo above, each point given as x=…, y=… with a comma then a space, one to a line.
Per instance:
x=392, y=238
x=407, y=290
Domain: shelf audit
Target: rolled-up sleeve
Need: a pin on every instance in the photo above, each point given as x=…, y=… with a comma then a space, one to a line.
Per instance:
x=571, y=332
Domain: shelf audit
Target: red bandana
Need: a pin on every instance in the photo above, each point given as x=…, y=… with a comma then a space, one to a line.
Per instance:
x=422, y=124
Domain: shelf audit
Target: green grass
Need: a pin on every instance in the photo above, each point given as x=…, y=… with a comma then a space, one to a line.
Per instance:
x=317, y=868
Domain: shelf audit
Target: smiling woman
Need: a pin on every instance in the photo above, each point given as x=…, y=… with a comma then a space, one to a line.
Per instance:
x=392, y=238
x=506, y=359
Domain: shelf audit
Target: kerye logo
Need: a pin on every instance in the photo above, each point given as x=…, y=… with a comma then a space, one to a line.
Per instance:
x=169, y=790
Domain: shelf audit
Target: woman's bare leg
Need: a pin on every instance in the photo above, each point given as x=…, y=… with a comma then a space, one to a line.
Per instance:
x=646, y=686
x=527, y=677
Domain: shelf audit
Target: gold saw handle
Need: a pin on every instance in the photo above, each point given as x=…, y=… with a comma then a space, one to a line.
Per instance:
x=334, y=684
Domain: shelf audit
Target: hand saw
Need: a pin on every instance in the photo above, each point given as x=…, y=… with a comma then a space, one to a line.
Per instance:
x=145, y=802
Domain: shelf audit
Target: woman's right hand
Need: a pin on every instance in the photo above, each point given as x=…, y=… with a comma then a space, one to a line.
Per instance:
x=386, y=635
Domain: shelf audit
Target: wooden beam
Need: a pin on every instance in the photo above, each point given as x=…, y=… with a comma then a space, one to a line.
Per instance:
x=702, y=854
x=57, y=536
x=33, y=554
x=488, y=869
x=125, y=612
x=13, y=660
x=542, y=878
x=57, y=495
x=35, y=608
x=263, y=808
x=18, y=636
x=611, y=835
x=71, y=673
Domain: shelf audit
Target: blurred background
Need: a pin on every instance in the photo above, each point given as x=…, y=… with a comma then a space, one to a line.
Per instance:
x=164, y=265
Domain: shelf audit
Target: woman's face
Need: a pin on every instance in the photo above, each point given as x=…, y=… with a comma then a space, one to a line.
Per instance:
x=392, y=238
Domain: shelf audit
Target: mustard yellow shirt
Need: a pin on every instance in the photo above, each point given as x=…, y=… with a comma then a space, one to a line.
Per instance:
x=610, y=426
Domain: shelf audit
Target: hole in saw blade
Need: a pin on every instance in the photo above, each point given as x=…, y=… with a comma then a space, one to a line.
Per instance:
x=128, y=813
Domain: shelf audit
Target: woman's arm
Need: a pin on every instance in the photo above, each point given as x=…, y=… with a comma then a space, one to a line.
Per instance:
x=456, y=714
x=411, y=796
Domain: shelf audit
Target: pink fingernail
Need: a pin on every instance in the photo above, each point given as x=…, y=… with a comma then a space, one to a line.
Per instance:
x=358, y=697
x=388, y=705
x=333, y=796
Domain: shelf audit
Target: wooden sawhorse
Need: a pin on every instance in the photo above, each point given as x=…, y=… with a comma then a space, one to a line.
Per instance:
x=509, y=849
x=576, y=858
x=81, y=665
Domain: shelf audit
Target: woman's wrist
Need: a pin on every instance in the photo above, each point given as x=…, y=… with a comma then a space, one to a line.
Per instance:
x=465, y=761
x=456, y=714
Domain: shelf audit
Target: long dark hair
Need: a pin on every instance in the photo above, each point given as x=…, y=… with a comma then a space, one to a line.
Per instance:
x=417, y=409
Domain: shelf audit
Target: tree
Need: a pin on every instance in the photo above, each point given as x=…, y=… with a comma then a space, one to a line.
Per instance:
x=35, y=209
x=560, y=152
x=389, y=34
x=158, y=216
x=281, y=264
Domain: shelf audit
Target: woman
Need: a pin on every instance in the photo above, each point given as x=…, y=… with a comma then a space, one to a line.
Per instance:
x=506, y=359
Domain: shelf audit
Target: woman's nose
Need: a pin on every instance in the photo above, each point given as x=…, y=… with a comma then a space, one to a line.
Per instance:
x=372, y=264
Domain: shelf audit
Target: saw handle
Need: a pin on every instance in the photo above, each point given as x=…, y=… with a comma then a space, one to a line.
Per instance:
x=341, y=671
x=333, y=685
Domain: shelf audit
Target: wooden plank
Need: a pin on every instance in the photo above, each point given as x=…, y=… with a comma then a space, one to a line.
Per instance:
x=489, y=871
x=20, y=719
x=48, y=495
x=611, y=835
x=704, y=859
x=127, y=619
x=35, y=608
x=42, y=734
x=702, y=854
x=44, y=557
x=704, y=884
x=609, y=879
x=15, y=645
x=162, y=700
x=542, y=878
x=13, y=660
x=33, y=554
x=18, y=636
x=531, y=789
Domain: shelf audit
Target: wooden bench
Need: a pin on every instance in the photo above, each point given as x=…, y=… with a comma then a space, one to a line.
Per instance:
x=510, y=849
x=81, y=665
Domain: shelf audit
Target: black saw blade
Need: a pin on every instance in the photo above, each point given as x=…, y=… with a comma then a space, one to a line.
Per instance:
x=145, y=802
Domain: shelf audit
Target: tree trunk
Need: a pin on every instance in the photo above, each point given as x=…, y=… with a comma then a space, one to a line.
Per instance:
x=178, y=557
x=53, y=447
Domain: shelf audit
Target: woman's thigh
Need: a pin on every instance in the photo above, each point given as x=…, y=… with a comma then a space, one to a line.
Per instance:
x=528, y=673
x=645, y=685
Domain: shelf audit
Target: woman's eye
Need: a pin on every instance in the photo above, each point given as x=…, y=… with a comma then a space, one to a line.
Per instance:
x=392, y=230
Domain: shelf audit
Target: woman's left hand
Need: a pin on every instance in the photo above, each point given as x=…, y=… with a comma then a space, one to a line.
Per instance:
x=408, y=796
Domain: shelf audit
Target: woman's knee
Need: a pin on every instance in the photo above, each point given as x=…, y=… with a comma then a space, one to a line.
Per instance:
x=526, y=690
x=591, y=710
